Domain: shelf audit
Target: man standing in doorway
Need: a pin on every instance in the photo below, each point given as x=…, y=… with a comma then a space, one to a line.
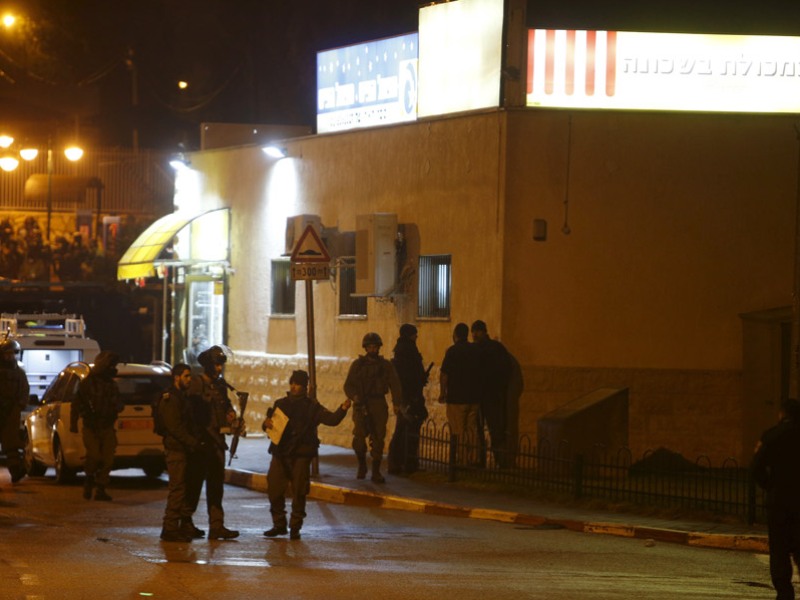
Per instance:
x=494, y=371
x=368, y=381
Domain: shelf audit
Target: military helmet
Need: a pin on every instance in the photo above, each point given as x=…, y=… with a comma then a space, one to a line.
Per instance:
x=370, y=339
x=212, y=356
x=10, y=346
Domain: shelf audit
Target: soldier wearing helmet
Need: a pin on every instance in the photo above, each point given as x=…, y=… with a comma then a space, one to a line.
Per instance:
x=98, y=403
x=14, y=392
x=214, y=414
x=368, y=381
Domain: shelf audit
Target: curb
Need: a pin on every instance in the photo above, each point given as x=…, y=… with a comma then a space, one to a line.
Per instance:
x=367, y=499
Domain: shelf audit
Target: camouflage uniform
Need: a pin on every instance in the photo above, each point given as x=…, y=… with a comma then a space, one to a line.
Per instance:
x=98, y=404
x=369, y=379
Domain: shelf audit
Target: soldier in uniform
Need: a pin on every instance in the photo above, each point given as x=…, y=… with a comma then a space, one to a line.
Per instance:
x=407, y=361
x=181, y=444
x=214, y=415
x=14, y=392
x=98, y=404
x=292, y=455
x=369, y=379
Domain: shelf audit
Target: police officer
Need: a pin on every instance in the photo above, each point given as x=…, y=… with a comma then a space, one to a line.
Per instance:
x=181, y=444
x=776, y=468
x=213, y=414
x=14, y=392
x=98, y=404
x=292, y=455
x=370, y=377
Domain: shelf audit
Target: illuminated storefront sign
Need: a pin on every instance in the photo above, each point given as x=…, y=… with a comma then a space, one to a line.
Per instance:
x=663, y=71
x=374, y=83
x=460, y=56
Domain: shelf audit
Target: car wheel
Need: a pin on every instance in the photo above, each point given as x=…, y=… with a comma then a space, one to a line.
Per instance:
x=63, y=473
x=33, y=467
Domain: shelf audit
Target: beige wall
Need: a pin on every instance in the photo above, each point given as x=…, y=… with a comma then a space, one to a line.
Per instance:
x=679, y=223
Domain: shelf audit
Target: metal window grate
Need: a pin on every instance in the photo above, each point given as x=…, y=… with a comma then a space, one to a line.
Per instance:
x=348, y=304
x=434, y=285
x=282, y=288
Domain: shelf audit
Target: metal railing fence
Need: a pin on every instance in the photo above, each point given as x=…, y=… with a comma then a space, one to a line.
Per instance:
x=656, y=479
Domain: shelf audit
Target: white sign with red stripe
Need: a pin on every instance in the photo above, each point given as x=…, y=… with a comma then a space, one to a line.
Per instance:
x=663, y=71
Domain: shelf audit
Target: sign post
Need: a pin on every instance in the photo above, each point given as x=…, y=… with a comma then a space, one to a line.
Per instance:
x=310, y=262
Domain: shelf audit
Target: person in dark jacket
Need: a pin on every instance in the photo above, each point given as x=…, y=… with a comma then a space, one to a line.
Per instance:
x=292, y=455
x=493, y=378
x=98, y=404
x=14, y=390
x=776, y=468
x=181, y=444
x=407, y=361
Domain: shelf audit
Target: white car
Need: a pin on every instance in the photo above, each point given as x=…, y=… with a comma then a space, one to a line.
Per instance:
x=49, y=442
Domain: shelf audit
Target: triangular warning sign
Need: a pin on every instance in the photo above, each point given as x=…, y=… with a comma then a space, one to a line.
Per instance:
x=310, y=249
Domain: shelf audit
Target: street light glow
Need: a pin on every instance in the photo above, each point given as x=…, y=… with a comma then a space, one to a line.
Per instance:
x=73, y=153
x=6, y=141
x=9, y=20
x=29, y=153
x=8, y=163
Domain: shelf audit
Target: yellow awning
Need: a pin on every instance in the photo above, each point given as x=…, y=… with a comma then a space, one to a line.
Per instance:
x=139, y=260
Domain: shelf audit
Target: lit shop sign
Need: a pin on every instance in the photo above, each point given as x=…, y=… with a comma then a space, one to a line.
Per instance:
x=374, y=83
x=663, y=71
x=460, y=56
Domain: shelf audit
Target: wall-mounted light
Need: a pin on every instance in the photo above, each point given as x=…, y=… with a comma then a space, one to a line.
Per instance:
x=180, y=162
x=73, y=153
x=275, y=151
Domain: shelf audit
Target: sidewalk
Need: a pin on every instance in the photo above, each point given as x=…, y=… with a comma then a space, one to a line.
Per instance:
x=336, y=482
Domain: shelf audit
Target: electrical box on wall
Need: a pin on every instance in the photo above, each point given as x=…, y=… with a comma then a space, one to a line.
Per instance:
x=295, y=226
x=376, y=264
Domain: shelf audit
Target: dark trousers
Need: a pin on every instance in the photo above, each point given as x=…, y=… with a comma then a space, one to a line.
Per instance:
x=100, y=444
x=404, y=446
x=282, y=471
x=209, y=466
x=493, y=414
x=783, y=526
x=9, y=439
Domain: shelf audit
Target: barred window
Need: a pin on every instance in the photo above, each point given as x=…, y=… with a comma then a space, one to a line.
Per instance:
x=350, y=305
x=434, y=286
x=282, y=288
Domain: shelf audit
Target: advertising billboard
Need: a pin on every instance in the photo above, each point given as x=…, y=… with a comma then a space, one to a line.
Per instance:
x=367, y=84
x=663, y=71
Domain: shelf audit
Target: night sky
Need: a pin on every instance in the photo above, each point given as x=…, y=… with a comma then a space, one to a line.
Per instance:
x=73, y=63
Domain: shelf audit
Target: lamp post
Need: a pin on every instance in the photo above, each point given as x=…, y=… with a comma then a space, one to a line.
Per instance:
x=49, y=188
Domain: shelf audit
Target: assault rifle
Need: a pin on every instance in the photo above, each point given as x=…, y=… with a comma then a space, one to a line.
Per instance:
x=238, y=429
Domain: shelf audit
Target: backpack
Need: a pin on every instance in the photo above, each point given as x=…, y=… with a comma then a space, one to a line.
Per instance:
x=158, y=419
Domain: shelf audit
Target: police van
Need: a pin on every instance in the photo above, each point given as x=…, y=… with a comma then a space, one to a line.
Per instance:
x=49, y=342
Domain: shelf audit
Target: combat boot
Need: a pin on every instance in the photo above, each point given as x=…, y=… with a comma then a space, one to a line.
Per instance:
x=376, y=472
x=223, y=533
x=189, y=528
x=276, y=531
x=17, y=473
x=294, y=534
x=88, y=486
x=175, y=535
x=362, y=466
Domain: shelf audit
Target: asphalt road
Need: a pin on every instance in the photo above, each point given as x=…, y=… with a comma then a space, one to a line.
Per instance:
x=55, y=545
